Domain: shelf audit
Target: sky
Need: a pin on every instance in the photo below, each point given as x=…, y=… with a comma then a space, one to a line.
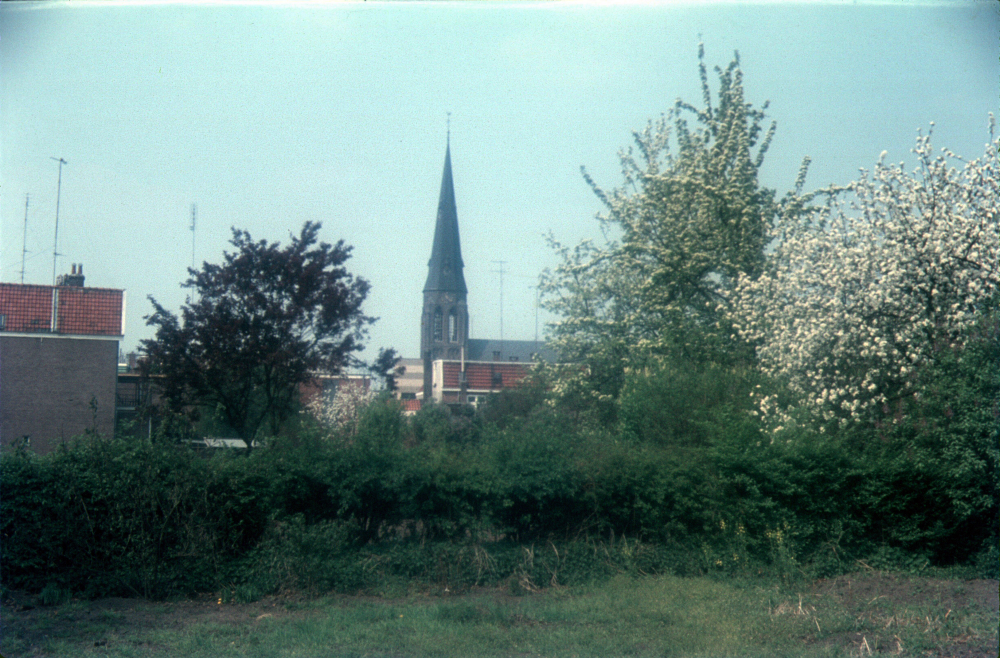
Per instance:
x=266, y=115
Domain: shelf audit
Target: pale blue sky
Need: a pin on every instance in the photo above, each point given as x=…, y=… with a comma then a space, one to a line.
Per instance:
x=266, y=116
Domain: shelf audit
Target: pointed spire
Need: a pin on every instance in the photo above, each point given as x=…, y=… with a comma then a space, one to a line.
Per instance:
x=445, y=266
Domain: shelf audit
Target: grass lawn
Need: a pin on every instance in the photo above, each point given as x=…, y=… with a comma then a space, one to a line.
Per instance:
x=855, y=615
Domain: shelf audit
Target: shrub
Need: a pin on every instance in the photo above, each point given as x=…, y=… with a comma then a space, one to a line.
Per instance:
x=300, y=557
x=110, y=516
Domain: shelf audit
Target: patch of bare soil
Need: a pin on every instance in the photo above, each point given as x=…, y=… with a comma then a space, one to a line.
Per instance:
x=903, y=590
x=82, y=624
x=872, y=595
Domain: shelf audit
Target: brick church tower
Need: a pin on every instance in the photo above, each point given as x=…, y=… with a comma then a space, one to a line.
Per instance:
x=444, y=325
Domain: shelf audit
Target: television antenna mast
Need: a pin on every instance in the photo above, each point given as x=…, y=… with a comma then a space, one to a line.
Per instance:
x=501, y=270
x=194, y=215
x=55, y=242
x=536, y=314
x=24, y=240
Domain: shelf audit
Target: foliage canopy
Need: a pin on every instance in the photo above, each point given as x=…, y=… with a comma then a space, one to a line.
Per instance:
x=258, y=325
x=688, y=220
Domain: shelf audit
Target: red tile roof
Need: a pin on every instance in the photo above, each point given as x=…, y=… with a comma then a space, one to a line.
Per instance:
x=26, y=308
x=480, y=375
x=81, y=311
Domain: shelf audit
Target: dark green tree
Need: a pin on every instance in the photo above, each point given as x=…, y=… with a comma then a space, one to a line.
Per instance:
x=385, y=367
x=257, y=326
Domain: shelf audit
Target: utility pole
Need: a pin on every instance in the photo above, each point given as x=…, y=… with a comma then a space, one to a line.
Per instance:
x=501, y=270
x=55, y=243
x=24, y=240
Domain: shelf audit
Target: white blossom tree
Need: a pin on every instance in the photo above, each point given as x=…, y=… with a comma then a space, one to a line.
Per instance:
x=862, y=292
x=688, y=219
x=338, y=414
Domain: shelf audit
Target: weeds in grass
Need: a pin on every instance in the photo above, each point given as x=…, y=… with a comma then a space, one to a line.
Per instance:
x=856, y=615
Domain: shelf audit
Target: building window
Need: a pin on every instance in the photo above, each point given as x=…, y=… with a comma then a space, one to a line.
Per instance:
x=513, y=358
x=438, y=333
x=496, y=355
x=452, y=326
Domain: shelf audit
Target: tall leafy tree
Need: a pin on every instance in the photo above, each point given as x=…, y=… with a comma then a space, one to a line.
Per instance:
x=258, y=325
x=688, y=220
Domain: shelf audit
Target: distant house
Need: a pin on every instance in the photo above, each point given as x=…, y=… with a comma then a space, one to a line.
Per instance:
x=58, y=360
x=327, y=386
x=410, y=384
x=137, y=399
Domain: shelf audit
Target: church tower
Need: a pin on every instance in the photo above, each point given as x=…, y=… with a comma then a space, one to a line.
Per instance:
x=444, y=325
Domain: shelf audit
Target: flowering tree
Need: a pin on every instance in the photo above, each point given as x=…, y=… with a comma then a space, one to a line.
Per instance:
x=863, y=291
x=339, y=413
x=687, y=221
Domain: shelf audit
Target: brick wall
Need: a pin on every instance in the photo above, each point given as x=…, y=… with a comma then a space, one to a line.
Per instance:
x=47, y=384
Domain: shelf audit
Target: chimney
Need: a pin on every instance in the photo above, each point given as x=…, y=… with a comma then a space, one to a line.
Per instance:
x=74, y=279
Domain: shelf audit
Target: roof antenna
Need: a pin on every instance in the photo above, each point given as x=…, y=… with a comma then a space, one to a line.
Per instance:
x=194, y=215
x=55, y=242
x=501, y=271
x=24, y=240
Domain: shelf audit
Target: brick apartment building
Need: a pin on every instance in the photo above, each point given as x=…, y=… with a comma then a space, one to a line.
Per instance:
x=58, y=360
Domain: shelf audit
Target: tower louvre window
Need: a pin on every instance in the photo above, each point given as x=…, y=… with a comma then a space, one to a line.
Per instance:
x=438, y=329
x=452, y=326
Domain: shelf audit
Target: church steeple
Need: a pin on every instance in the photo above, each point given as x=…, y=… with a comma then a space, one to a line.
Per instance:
x=444, y=324
x=445, y=266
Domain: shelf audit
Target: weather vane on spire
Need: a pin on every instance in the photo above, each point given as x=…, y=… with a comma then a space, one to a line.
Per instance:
x=449, y=127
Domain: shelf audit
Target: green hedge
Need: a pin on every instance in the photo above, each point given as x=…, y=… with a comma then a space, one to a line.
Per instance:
x=534, y=499
x=121, y=517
